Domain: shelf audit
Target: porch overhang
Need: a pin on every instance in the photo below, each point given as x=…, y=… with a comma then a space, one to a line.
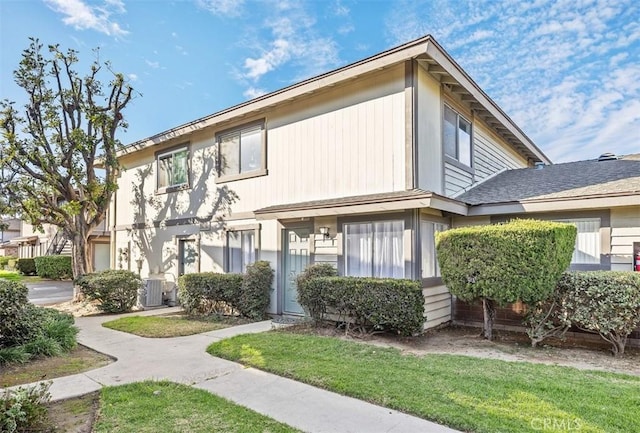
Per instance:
x=363, y=204
x=23, y=240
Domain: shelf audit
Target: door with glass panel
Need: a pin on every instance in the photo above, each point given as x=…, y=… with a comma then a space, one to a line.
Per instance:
x=187, y=256
x=296, y=259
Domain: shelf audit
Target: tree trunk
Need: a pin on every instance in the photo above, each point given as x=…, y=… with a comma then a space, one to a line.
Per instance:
x=80, y=261
x=489, y=310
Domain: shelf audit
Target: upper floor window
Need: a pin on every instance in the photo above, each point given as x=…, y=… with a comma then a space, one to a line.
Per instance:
x=173, y=168
x=242, y=152
x=241, y=250
x=375, y=249
x=457, y=136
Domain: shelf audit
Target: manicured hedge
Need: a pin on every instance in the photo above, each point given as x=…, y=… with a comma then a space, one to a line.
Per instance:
x=54, y=267
x=197, y=291
x=503, y=263
x=371, y=303
x=26, y=266
x=603, y=302
x=117, y=290
x=247, y=294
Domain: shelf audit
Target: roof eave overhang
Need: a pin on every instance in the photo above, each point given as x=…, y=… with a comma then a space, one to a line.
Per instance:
x=253, y=107
x=486, y=107
x=427, y=200
x=558, y=204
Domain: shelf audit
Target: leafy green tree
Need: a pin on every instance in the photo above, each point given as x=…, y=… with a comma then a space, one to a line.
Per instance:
x=58, y=155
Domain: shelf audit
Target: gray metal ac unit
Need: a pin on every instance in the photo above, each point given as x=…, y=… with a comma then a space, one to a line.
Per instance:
x=152, y=293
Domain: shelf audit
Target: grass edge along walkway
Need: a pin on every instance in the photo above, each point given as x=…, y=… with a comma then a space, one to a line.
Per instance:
x=466, y=393
x=152, y=406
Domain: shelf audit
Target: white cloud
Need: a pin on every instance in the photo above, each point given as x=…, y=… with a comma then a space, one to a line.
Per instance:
x=226, y=8
x=279, y=53
x=133, y=77
x=292, y=39
x=154, y=65
x=253, y=92
x=340, y=9
x=565, y=71
x=83, y=16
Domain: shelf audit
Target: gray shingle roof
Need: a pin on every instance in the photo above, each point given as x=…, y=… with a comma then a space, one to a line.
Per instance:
x=558, y=181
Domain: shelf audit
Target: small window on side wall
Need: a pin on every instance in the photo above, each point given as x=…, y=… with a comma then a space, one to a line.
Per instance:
x=241, y=250
x=428, y=230
x=241, y=152
x=456, y=133
x=172, y=169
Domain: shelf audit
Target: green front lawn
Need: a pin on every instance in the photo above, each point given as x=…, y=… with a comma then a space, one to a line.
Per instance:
x=171, y=407
x=170, y=326
x=471, y=394
x=17, y=276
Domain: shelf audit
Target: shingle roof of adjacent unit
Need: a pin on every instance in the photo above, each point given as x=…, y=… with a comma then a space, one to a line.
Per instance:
x=559, y=181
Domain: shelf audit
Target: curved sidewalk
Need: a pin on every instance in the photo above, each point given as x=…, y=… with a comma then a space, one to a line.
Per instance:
x=184, y=360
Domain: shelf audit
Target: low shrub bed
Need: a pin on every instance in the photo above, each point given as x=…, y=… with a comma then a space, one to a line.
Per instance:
x=28, y=331
x=4, y=261
x=245, y=294
x=116, y=290
x=602, y=302
x=378, y=304
x=53, y=267
x=25, y=409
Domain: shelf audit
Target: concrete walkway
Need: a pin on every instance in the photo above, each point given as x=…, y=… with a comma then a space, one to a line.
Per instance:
x=184, y=360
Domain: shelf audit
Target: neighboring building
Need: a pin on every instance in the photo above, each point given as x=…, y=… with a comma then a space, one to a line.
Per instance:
x=10, y=230
x=49, y=241
x=358, y=167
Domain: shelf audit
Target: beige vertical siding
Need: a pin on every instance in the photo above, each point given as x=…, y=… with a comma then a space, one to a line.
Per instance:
x=625, y=230
x=428, y=139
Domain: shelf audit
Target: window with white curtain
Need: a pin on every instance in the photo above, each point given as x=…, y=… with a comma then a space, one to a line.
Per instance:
x=587, y=249
x=241, y=250
x=428, y=230
x=375, y=249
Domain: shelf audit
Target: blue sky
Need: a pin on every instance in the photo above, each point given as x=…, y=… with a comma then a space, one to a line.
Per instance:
x=568, y=72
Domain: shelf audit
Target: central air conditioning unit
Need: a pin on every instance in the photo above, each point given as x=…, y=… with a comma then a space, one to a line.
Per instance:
x=151, y=294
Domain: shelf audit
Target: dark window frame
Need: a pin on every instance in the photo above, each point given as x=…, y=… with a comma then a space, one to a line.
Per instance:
x=223, y=177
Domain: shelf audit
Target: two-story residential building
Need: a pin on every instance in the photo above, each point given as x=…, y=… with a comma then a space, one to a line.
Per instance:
x=358, y=167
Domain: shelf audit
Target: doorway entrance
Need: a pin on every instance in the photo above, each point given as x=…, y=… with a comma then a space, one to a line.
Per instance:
x=296, y=242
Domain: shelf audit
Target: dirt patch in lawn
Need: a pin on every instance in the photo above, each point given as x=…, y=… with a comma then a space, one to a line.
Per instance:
x=75, y=415
x=78, y=360
x=507, y=346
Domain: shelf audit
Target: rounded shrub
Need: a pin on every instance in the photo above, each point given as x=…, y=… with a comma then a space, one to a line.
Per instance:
x=16, y=324
x=26, y=266
x=255, y=290
x=116, y=290
x=521, y=260
x=198, y=291
x=308, y=297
